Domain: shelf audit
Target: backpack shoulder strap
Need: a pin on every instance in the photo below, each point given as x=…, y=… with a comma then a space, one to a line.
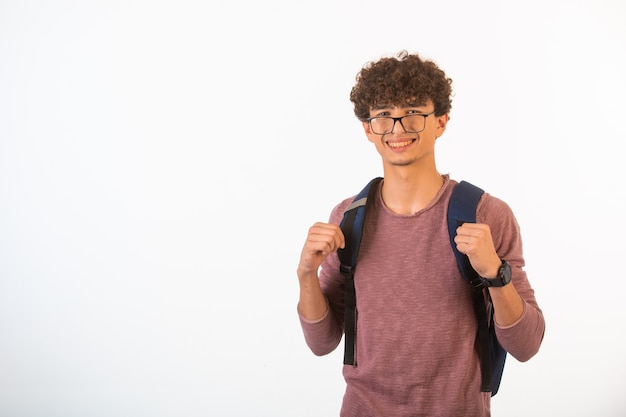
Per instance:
x=462, y=209
x=352, y=228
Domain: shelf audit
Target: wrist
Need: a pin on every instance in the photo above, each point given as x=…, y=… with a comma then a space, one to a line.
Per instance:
x=306, y=274
x=501, y=277
x=492, y=267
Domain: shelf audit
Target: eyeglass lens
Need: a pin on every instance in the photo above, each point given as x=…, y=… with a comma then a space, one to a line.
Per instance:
x=411, y=123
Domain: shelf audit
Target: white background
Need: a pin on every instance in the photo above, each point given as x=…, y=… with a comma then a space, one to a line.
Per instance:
x=161, y=161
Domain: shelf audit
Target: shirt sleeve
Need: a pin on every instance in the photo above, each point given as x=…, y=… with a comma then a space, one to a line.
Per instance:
x=324, y=335
x=523, y=338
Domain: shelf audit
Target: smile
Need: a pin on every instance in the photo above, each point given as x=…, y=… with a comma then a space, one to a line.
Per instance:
x=400, y=144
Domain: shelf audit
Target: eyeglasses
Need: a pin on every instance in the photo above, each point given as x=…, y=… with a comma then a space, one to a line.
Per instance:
x=411, y=123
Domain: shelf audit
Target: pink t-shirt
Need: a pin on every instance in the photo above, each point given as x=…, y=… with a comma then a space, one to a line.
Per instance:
x=416, y=327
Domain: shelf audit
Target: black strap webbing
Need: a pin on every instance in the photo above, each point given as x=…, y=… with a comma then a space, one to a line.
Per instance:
x=462, y=209
x=352, y=228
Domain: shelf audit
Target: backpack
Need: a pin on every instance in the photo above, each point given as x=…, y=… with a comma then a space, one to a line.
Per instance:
x=461, y=209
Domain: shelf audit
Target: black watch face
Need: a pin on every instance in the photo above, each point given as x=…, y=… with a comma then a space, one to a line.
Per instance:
x=505, y=273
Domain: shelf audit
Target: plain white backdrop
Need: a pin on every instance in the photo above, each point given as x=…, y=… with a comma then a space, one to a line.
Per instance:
x=161, y=162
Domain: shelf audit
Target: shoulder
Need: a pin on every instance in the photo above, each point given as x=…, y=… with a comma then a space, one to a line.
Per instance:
x=337, y=212
x=505, y=229
x=492, y=207
x=488, y=205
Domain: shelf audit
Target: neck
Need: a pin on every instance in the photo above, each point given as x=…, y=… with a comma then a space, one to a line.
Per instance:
x=406, y=192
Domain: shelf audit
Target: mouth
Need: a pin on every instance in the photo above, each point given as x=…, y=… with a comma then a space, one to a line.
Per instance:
x=400, y=144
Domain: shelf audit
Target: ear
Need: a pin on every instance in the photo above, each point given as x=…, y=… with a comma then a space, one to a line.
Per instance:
x=368, y=131
x=442, y=122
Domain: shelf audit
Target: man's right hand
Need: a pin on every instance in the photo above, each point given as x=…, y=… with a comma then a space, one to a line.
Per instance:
x=322, y=240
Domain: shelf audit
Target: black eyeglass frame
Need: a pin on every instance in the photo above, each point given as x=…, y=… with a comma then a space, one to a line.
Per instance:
x=399, y=119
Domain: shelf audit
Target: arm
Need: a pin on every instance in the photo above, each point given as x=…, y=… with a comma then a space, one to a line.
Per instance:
x=475, y=240
x=320, y=322
x=520, y=323
x=322, y=240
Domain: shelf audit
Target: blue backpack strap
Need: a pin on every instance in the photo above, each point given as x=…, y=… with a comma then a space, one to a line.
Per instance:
x=352, y=228
x=462, y=209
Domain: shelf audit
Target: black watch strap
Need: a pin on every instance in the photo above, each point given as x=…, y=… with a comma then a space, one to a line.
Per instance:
x=502, y=278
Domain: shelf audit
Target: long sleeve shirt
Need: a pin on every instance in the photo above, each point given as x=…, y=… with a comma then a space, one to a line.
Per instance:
x=415, y=347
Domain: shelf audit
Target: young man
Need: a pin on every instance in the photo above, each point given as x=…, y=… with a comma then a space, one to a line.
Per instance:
x=416, y=341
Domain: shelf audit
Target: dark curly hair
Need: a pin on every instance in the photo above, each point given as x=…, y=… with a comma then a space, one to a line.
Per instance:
x=406, y=78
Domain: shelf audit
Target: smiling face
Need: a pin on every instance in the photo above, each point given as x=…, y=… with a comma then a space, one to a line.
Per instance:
x=404, y=147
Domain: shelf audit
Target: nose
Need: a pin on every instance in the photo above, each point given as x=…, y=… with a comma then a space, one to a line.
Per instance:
x=399, y=120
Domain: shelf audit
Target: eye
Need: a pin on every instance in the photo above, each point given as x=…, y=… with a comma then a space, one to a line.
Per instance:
x=382, y=114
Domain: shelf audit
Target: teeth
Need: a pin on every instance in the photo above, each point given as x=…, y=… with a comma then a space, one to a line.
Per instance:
x=400, y=144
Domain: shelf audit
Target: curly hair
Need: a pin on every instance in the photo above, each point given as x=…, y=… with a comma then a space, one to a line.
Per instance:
x=406, y=78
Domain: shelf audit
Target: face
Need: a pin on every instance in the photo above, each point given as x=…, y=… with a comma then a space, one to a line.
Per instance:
x=402, y=147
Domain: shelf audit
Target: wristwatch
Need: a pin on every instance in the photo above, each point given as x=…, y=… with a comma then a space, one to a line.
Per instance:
x=502, y=278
